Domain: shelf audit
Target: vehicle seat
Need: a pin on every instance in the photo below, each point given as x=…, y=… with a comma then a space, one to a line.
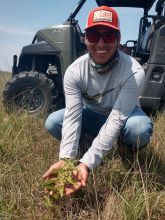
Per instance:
x=145, y=43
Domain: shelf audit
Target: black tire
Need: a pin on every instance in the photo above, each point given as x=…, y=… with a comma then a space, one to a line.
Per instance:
x=30, y=91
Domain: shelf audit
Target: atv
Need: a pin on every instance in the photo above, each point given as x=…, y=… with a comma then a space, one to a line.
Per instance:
x=37, y=77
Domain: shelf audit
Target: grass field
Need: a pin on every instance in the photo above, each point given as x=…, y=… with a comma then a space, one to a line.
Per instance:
x=114, y=191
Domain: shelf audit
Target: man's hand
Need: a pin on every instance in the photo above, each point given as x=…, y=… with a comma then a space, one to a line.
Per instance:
x=53, y=168
x=80, y=175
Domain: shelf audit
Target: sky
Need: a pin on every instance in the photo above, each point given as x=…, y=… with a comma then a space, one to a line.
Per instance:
x=21, y=19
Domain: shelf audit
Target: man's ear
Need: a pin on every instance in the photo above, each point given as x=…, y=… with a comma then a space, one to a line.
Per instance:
x=86, y=40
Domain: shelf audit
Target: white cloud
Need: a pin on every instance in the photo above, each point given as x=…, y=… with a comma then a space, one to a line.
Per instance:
x=15, y=31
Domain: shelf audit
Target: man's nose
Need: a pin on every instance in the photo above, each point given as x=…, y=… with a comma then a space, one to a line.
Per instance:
x=101, y=41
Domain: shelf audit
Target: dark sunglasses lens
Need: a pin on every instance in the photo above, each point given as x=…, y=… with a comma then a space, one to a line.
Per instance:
x=93, y=37
x=109, y=37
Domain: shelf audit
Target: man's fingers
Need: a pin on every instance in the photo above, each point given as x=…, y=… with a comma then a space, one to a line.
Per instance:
x=70, y=189
x=49, y=172
x=52, y=169
x=81, y=180
x=51, y=193
x=83, y=176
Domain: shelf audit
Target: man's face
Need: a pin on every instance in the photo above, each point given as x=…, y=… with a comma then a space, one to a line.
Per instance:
x=103, y=46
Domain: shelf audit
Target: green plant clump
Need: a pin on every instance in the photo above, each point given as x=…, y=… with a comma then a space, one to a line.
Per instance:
x=60, y=179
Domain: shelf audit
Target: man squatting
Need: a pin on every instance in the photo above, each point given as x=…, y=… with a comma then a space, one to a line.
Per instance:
x=102, y=91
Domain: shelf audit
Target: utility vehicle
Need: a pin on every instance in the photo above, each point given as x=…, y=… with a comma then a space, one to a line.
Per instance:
x=37, y=76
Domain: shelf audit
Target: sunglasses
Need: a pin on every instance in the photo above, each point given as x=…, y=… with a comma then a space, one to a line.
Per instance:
x=94, y=36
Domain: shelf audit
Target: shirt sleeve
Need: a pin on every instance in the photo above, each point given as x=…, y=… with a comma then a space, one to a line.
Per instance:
x=73, y=115
x=127, y=100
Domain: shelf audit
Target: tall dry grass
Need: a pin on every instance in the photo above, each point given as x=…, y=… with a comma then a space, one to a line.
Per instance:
x=114, y=191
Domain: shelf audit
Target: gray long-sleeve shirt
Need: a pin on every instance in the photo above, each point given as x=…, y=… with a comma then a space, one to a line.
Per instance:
x=114, y=94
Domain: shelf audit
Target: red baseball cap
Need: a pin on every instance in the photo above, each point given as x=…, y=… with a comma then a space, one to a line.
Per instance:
x=103, y=16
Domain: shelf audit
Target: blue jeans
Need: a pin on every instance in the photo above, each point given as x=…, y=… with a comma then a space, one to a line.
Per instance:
x=136, y=131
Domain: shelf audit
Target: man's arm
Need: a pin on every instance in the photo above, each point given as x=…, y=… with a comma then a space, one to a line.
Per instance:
x=73, y=115
x=124, y=105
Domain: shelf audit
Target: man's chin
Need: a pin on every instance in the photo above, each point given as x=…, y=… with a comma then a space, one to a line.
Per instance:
x=101, y=60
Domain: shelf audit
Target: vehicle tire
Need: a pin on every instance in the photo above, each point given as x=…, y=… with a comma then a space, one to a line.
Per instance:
x=30, y=91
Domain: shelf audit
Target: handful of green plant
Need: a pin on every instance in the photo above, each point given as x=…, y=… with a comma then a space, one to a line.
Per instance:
x=60, y=179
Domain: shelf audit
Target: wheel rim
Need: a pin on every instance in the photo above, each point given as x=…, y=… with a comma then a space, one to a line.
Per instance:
x=30, y=98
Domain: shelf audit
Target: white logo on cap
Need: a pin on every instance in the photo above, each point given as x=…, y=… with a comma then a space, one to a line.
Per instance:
x=102, y=15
